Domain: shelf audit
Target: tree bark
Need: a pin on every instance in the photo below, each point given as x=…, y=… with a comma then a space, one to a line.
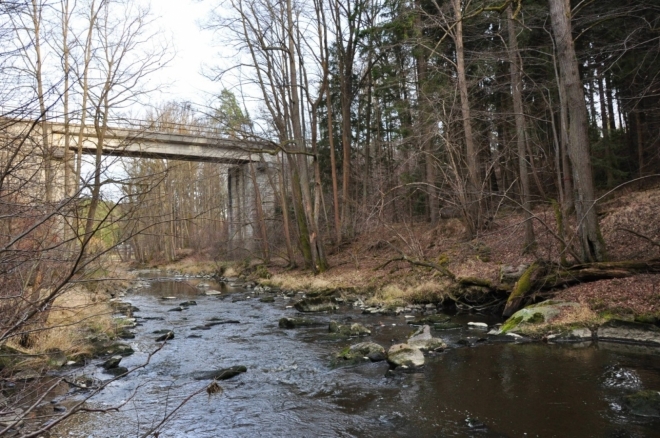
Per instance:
x=521, y=139
x=592, y=244
x=473, y=194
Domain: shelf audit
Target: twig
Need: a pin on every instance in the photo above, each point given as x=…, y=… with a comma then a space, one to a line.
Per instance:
x=415, y=262
x=648, y=239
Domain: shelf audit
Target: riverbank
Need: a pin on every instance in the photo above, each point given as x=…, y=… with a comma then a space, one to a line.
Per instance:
x=402, y=264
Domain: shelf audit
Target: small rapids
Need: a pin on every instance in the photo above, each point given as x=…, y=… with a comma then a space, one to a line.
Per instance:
x=480, y=386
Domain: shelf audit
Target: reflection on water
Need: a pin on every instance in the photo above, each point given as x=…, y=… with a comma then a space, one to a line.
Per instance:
x=490, y=390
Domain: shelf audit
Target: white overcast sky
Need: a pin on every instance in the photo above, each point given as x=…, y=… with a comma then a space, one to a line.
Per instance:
x=194, y=48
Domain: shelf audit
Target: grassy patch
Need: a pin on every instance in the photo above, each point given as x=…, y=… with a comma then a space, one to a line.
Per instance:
x=74, y=316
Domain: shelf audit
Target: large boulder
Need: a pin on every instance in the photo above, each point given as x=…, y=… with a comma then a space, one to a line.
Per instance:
x=423, y=340
x=354, y=329
x=362, y=352
x=626, y=331
x=543, y=312
x=316, y=304
x=404, y=355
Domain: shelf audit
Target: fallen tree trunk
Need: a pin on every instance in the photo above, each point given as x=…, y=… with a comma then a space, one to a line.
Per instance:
x=545, y=277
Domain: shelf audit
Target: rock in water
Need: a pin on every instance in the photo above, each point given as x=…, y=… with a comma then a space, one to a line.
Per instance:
x=545, y=311
x=221, y=374
x=370, y=350
x=644, y=403
x=447, y=326
x=346, y=330
x=430, y=319
x=625, y=331
x=316, y=304
x=405, y=355
x=166, y=337
x=113, y=362
x=117, y=372
x=289, y=323
x=423, y=340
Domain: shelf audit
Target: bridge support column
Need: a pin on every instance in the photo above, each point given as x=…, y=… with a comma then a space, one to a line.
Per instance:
x=244, y=227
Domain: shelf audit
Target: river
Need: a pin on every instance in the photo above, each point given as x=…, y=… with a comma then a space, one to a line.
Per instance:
x=482, y=389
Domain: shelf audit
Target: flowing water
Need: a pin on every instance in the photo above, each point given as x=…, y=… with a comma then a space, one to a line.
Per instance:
x=482, y=389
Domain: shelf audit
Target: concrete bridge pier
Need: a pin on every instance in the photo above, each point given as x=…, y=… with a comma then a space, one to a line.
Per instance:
x=243, y=214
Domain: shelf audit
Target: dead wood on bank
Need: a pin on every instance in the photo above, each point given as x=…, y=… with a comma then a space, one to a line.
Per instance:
x=482, y=294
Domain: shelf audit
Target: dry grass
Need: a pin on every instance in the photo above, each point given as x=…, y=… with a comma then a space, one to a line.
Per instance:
x=577, y=316
x=75, y=315
x=295, y=281
x=195, y=266
x=400, y=295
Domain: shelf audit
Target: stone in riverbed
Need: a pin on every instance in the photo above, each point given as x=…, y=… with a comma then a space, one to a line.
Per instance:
x=405, y=355
x=188, y=303
x=118, y=371
x=430, y=319
x=212, y=292
x=267, y=299
x=346, y=330
x=166, y=337
x=221, y=374
x=625, y=331
x=177, y=309
x=56, y=358
x=126, y=334
x=215, y=322
x=114, y=349
x=446, y=326
x=423, y=340
x=644, y=403
x=315, y=304
x=575, y=335
x=289, y=323
x=113, y=362
x=362, y=352
x=545, y=311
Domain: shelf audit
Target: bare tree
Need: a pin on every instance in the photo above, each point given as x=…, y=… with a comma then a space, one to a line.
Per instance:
x=591, y=241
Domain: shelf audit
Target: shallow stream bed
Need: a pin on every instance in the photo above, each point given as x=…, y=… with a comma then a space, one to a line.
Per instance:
x=482, y=389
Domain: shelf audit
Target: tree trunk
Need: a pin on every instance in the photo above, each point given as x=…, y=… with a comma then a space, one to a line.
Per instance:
x=333, y=169
x=592, y=244
x=516, y=86
x=605, y=121
x=473, y=194
x=298, y=162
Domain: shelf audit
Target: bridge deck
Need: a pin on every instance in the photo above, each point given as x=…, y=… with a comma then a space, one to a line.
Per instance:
x=197, y=145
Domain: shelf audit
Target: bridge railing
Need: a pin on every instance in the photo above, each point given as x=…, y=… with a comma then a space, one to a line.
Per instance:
x=133, y=124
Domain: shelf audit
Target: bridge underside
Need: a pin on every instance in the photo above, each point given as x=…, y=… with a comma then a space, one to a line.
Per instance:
x=243, y=180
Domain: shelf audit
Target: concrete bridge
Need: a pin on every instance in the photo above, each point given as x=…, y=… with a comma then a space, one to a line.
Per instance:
x=201, y=145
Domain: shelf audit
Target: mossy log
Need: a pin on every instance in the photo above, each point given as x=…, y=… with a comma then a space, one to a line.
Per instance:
x=543, y=277
x=523, y=286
